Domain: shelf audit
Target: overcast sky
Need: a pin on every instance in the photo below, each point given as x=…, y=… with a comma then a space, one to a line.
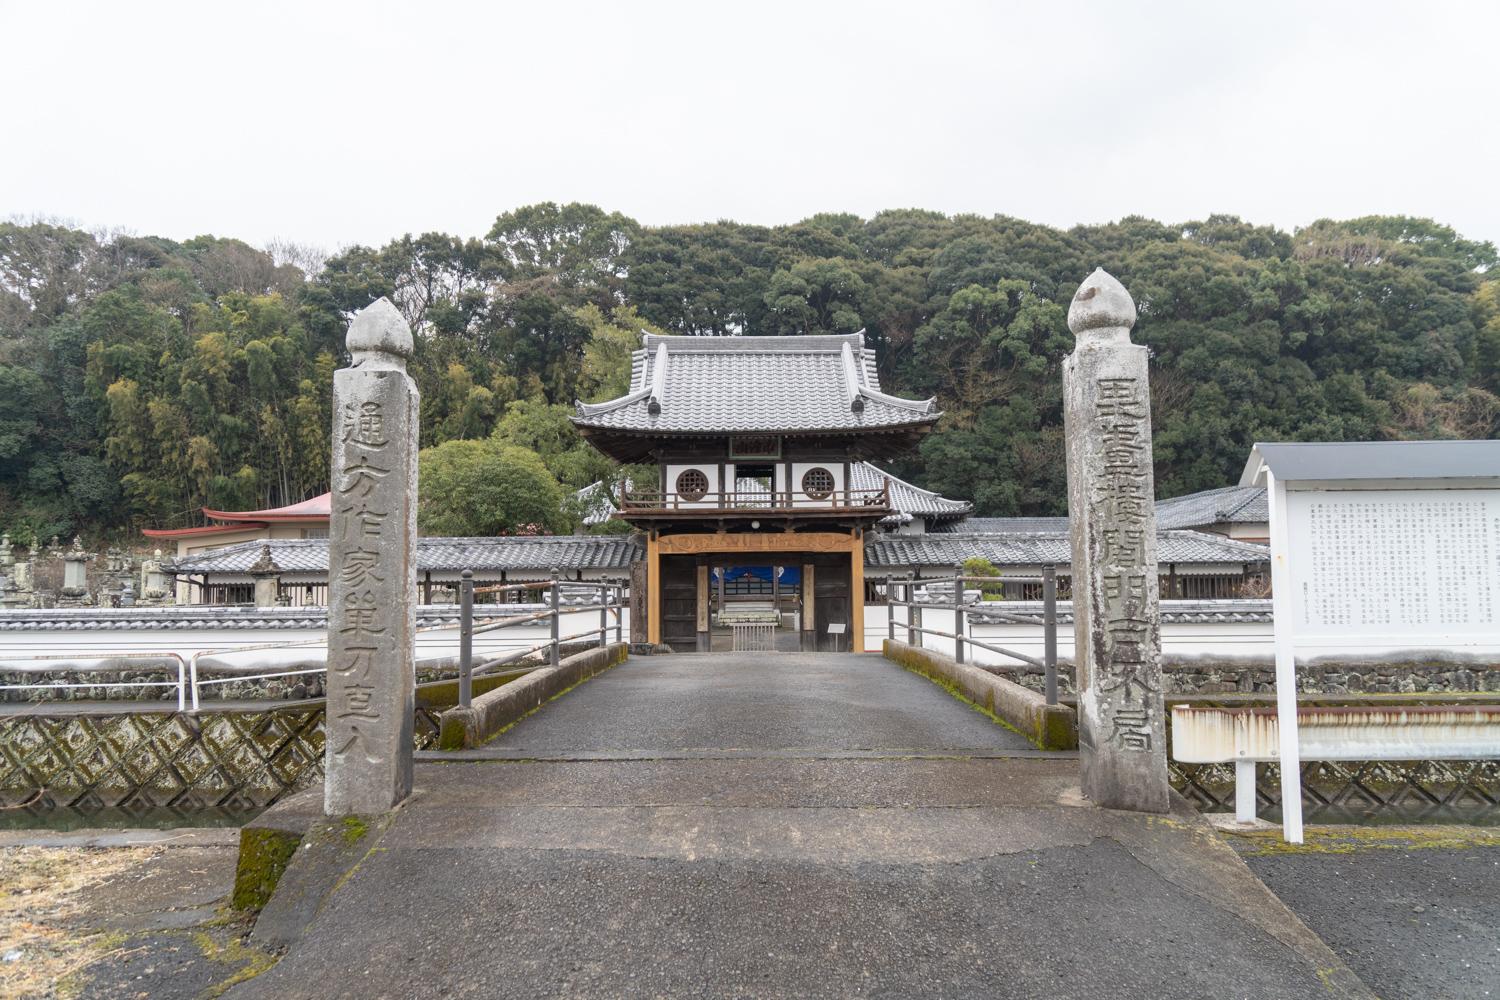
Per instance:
x=333, y=124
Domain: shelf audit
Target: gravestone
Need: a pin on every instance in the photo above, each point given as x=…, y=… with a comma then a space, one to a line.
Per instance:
x=75, y=570
x=1112, y=523
x=372, y=569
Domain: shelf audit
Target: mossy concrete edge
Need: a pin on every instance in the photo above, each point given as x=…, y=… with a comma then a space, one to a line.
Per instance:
x=268, y=844
x=1048, y=727
x=493, y=711
x=263, y=859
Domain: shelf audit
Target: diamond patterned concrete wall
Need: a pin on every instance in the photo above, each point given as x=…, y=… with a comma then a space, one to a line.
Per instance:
x=1456, y=791
x=233, y=763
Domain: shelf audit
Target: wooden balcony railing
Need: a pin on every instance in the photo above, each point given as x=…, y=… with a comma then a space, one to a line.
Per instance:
x=647, y=502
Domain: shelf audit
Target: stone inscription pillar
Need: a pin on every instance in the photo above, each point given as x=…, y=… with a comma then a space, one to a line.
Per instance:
x=372, y=569
x=1112, y=521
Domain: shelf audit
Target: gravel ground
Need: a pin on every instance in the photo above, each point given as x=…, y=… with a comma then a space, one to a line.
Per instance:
x=86, y=922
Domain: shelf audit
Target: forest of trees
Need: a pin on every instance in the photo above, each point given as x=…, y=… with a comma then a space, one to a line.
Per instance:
x=143, y=378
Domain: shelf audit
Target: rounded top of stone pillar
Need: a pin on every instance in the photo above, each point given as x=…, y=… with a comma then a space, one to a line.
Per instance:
x=379, y=328
x=1101, y=303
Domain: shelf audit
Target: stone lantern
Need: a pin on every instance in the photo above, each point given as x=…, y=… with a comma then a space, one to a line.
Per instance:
x=267, y=577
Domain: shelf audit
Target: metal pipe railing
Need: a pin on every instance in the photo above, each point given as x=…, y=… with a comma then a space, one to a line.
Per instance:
x=906, y=587
x=466, y=638
x=605, y=596
x=101, y=663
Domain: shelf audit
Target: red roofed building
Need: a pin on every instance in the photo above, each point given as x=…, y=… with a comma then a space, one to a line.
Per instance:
x=308, y=519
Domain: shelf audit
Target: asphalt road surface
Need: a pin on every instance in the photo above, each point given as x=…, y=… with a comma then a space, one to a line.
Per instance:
x=1415, y=916
x=787, y=826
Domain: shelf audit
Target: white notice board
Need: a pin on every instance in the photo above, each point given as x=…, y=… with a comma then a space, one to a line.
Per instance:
x=1412, y=569
x=1415, y=569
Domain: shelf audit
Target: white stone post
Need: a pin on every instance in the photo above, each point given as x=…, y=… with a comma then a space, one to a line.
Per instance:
x=1112, y=522
x=372, y=577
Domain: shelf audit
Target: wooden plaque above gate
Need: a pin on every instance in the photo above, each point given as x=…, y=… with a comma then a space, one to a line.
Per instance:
x=780, y=541
x=755, y=446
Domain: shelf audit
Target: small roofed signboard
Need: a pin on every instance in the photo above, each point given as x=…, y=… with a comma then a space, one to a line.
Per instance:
x=1389, y=546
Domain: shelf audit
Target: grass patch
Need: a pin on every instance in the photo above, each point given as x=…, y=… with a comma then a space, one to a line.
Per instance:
x=1350, y=839
x=355, y=829
x=234, y=951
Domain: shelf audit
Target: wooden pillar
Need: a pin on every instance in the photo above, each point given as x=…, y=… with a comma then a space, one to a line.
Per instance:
x=809, y=609
x=653, y=590
x=702, y=595
x=857, y=595
x=639, y=616
x=775, y=589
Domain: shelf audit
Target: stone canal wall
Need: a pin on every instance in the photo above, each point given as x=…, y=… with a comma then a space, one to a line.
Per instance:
x=1345, y=675
x=146, y=762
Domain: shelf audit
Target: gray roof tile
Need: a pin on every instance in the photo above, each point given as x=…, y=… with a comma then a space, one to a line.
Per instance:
x=544, y=552
x=1041, y=548
x=1213, y=612
x=755, y=385
x=1006, y=525
x=1331, y=460
x=198, y=618
x=1226, y=505
x=906, y=498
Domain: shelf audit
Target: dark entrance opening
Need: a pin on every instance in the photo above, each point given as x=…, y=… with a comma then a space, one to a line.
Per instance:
x=707, y=599
x=755, y=485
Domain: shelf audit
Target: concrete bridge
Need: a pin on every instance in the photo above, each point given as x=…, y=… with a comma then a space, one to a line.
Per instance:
x=779, y=825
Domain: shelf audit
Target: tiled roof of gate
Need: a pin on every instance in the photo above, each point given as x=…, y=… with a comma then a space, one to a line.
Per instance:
x=542, y=552
x=755, y=385
x=905, y=497
x=1041, y=548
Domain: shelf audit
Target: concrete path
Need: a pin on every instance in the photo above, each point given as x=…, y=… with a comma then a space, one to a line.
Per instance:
x=767, y=703
x=787, y=827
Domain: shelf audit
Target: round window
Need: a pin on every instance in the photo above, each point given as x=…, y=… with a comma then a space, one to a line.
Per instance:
x=817, y=483
x=692, y=485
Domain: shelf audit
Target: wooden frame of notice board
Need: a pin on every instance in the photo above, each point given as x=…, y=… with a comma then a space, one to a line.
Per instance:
x=1381, y=546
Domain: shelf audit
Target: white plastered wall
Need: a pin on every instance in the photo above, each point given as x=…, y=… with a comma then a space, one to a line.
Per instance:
x=799, y=469
x=710, y=470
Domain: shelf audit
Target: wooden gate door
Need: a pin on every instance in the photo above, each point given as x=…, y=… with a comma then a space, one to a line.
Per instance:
x=831, y=601
x=679, y=603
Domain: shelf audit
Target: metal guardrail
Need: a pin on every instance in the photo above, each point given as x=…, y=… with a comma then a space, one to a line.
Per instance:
x=915, y=631
x=608, y=596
